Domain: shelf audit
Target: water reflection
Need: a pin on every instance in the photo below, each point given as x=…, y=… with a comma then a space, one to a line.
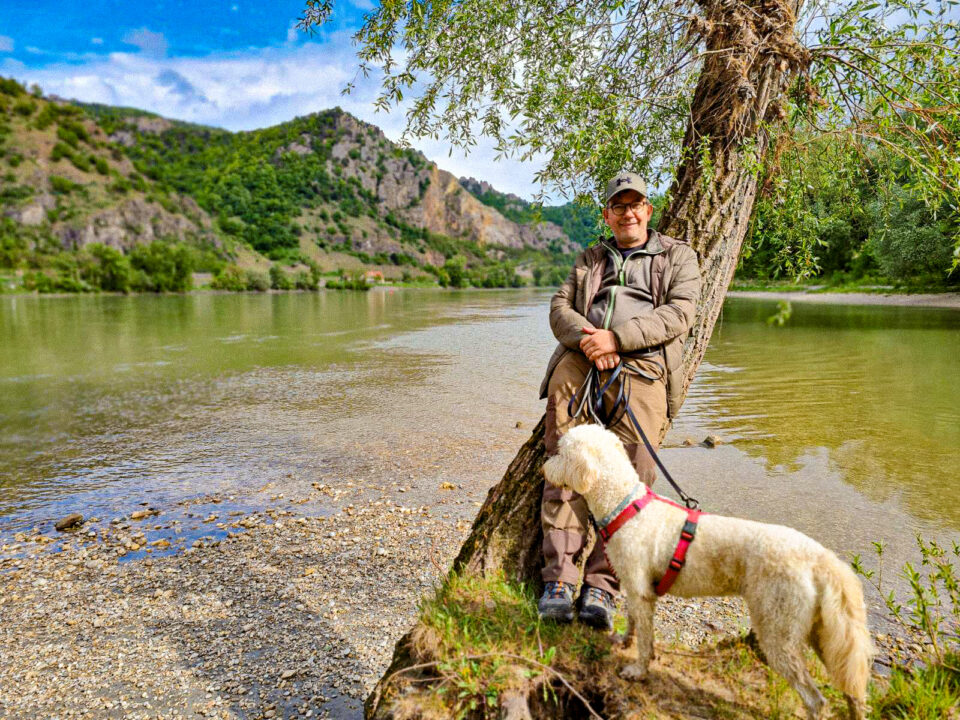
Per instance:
x=877, y=387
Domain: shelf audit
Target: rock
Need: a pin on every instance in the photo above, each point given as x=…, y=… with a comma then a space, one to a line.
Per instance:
x=70, y=521
x=688, y=442
x=287, y=674
x=519, y=425
x=711, y=441
x=447, y=486
x=141, y=514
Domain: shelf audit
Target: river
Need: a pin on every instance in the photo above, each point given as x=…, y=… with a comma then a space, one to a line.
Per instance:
x=843, y=422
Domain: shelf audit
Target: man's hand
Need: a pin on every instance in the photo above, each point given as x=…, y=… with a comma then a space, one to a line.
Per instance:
x=607, y=362
x=598, y=342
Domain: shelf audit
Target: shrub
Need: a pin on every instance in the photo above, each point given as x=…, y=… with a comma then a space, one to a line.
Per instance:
x=352, y=281
x=75, y=129
x=102, y=167
x=47, y=116
x=68, y=136
x=257, y=281
x=138, y=182
x=105, y=268
x=14, y=193
x=24, y=107
x=907, y=240
x=9, y=86
x=163, y=267
x=39, y=281
x=303, y=280
x=279, y=280
x=119, y=187
x=62, y=186
x=456, y=271
x=80, y=161
x=60, y=151
x=230, y=278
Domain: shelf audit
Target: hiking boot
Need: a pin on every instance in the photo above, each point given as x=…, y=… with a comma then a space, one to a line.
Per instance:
x=556, y=603
x=596, y=608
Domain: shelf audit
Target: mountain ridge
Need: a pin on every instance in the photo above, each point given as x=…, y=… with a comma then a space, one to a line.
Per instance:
x=323, y=188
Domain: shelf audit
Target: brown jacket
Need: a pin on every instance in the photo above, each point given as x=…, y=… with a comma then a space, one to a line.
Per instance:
x=676, y=290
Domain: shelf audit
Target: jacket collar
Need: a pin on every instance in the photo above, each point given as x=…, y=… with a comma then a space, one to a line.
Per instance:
x=653, y=246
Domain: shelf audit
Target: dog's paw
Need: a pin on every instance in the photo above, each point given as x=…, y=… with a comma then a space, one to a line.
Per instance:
x=634, y=671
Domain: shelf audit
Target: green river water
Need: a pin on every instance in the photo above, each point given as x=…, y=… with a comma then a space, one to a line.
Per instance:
x=106, y=402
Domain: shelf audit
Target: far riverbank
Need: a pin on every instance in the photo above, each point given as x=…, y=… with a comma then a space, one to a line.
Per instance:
x=933, y=300
x=940, y=300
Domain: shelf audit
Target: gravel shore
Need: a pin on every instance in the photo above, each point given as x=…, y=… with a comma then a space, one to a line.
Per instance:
x=287, y=612
x=941, y=300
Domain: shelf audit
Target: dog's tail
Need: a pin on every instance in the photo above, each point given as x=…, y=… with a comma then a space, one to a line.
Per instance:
x=845, y=643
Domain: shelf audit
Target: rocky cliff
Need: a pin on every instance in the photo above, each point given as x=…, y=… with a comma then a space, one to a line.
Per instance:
x=75, y=175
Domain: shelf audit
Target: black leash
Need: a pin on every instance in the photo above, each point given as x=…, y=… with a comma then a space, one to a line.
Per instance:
x=591, y=394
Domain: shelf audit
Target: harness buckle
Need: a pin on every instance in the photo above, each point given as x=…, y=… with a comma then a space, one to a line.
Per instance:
x=689, y=530
x=676, y=564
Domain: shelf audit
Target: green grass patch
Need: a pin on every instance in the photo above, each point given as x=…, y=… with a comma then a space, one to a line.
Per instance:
x=483, y=638
x=929, y=693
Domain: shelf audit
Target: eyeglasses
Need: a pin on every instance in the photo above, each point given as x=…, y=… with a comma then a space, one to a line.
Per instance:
x=620, y=209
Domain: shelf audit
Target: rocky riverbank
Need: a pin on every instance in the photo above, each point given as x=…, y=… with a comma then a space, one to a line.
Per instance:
x=291, y=611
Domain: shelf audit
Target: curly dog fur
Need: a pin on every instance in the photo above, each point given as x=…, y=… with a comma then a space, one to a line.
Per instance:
x=798, y=592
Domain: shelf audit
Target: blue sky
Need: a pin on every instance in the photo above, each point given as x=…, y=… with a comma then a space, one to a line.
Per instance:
x=230, y=63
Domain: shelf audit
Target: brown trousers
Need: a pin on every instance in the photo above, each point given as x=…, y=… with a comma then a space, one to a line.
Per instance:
x=563, y=513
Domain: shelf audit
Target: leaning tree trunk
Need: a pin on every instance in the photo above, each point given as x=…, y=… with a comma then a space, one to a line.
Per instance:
x=752, y=56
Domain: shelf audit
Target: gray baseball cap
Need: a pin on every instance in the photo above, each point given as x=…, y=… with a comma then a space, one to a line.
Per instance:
x=625, y=181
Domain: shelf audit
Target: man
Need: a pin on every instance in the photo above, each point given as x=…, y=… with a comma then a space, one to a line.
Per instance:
x=631, y=297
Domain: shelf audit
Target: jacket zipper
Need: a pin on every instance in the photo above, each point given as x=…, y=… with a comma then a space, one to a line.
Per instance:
x=621, y=266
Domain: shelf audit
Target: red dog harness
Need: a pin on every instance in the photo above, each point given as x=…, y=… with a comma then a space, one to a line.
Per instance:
x=687, y=534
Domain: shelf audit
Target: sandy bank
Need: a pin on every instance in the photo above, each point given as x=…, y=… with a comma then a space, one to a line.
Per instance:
x=943, y=300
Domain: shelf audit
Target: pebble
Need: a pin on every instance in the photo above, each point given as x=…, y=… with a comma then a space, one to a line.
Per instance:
x=70, y=521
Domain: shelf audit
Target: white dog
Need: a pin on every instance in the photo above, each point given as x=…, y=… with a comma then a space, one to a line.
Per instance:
x=798, y=592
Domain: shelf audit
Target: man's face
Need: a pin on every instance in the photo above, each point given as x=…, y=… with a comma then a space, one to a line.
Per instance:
x=629, y=229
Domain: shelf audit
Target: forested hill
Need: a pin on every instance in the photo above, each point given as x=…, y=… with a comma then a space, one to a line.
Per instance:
x=326, y=190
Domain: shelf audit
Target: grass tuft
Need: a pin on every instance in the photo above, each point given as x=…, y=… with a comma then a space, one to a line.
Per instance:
x=928, y=693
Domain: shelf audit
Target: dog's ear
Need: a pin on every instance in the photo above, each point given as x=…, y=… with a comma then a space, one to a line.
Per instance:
x=554, y=470
x=587, y=468
x=576, y=466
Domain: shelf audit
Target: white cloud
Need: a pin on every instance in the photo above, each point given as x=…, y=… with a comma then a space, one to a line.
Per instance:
x=6, y=44
x=292, y=33
x=96, y=41
x=149, y=42
x=255, y=89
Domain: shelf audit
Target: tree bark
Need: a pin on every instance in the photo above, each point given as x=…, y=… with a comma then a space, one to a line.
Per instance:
x=753, y=56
